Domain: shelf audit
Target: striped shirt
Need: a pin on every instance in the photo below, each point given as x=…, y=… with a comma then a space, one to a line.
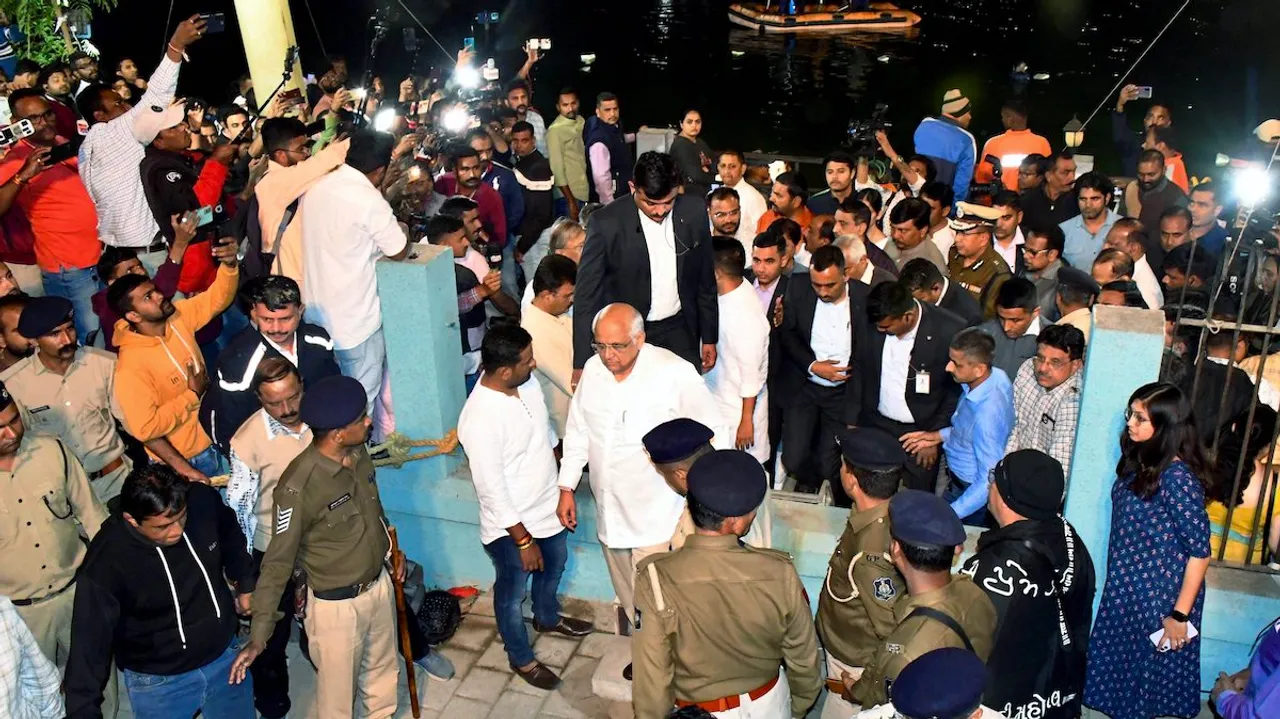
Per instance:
x=30, y=687
x=109, y=160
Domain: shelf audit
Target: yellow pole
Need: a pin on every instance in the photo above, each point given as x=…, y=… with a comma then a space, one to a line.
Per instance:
x=266, y=28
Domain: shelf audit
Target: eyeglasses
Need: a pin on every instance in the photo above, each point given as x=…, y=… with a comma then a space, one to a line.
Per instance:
x=722, y=215
x=601, y=347
x=46, y=116
x=1052, y=363
x=1032, y=253
x=1129, y=414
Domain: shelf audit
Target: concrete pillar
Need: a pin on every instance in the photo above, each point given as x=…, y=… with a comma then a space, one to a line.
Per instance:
x=266, y=28
x=1123, y=354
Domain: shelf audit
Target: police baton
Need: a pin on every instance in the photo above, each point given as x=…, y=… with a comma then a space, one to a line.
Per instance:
x=402, y=616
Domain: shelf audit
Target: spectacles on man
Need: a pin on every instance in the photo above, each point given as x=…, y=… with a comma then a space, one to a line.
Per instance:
x=723, y=215
x=46, y=116
x=1029, y=252
x=602, y=347
x=1051, y=362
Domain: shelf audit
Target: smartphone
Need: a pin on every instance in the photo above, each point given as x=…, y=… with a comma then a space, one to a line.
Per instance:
x=544, y=43
x=490, y=71
x=204, y=216
x=1144, y=92
x=65, y=151
x=469, y=43
x=291, y=96
x=15, y=132
x=214, y=22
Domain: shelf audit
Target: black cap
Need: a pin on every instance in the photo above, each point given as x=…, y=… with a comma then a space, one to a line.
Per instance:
x=43, y=314
x=676, y=439
x=1078, y=279
x=333, y=402
x=923, y=518
x=917, y=693
x=871, y=448
x=1031, y=483
x=728, y=482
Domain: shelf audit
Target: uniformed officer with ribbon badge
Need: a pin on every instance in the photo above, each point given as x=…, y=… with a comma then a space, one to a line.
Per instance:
x=974, y=263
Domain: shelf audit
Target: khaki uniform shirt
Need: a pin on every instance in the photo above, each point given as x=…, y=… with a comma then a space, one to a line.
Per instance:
x=717, y=619
x=961, y=600
x=44, y=501
x=684, y=530
x=328, y=518
x=855, y=611
x=77, y=407
x=982, y=279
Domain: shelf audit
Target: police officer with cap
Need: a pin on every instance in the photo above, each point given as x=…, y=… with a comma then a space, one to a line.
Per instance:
x=673, y=447
x=939, y=610
x=716, y=621
x=941, y=684
x=855, y=609
x=974, y=263
x=328, y=517
x=1077, y=291
x=65, y=391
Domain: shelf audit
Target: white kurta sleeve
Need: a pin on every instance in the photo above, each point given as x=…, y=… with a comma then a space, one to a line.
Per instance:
x=576, y=441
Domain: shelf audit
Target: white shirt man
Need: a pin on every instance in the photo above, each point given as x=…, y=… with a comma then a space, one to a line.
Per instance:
x=742, y=366
x=895, y=364
x=1147, y=283
x=1010, y=252
x=660, y=239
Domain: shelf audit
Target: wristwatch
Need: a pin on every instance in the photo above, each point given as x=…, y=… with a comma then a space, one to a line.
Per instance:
x=1178, y=616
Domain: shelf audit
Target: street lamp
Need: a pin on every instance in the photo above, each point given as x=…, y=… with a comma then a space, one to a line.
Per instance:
x=1074, y=133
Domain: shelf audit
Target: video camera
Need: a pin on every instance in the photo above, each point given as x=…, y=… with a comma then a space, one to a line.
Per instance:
x=985, y=193
x=861, y=135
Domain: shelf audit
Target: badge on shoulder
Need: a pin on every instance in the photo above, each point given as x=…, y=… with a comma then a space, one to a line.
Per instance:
x=883, y=589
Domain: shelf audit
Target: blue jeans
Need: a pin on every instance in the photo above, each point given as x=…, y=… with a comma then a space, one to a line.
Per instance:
x=366, y=362
x=79, y=286
x=210, y=462
x=156, y=696
x=509, y=590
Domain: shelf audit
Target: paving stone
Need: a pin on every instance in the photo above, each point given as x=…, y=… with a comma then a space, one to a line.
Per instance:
x=607, y=681
x=495, y=657
x=512, y=705
x=483, y=684
x=462, y=708
x=483, y=606
x=593, y=645
x=475, y=633
x=554, y=650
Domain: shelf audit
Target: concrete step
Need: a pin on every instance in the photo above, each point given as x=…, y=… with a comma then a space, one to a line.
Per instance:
x=607, y=682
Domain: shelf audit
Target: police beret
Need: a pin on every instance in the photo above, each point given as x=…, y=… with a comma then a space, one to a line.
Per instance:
x=42, y=315
x=675, y=440
x=728, y=482
x=917, y=693
x=1031, y=483
x=969, y=216
x=917, y=518
x=871, y=448
x=1078, y=279
x=332, y=402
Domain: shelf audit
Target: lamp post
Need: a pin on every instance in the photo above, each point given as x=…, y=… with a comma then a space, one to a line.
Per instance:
x=1074, y=133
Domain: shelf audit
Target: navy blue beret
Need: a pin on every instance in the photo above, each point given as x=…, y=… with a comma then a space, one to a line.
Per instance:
x=918, y=693
x=42, y=315
x=729, y=482
x=918, y=518
x=333, y=402
x=871, y=448
x=675, y=440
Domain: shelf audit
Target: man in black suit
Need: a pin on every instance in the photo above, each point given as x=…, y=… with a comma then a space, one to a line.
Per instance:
x=651, y=250
x=926, y=283
x=853, y=217
x=900, y=367
x=818, y=345
x=770, y=279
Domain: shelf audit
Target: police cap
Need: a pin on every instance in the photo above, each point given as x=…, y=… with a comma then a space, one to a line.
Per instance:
x=871, y=448
x=729, y=482
x=917, y=693
x=333, y=402
x=923, y=518
x=42, y=315
x=970, y=216
x=675, y=440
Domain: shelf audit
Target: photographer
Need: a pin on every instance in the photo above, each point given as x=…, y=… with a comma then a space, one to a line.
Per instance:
x=1011, y=147
x=915, y=171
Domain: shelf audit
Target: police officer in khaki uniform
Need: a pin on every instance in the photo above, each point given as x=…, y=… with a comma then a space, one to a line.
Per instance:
x=939, y=610
x=974, y=263
x=45, y=500
x=329, y=518
x=717, y=620
x=855, y=609
x=65, y=391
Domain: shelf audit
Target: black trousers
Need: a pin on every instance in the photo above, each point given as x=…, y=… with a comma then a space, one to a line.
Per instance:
x=811, y=422
x=776, y=414
x=271, y=669
x=674, y=334
x=917, y=477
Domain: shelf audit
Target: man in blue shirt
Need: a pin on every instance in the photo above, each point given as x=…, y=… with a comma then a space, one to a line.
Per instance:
x=949, y=143
x=1086, y=233
x=1205, y=207
x=980, y=426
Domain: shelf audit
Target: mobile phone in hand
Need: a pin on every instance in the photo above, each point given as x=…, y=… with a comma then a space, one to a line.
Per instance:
x=204, y=216
x=214, y=22
x=1144, y=92
x=58, y=153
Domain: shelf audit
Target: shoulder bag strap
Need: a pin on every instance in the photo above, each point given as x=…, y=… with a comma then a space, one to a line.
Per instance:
x=945, y=619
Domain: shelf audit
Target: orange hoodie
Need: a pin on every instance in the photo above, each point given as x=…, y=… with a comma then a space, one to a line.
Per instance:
x=151, y=373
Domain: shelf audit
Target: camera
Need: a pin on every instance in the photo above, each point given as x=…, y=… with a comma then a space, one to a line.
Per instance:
x=861, y=135
x=985, y=193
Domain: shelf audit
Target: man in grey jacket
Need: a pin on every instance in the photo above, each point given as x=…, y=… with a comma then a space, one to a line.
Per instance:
x=1016, y=325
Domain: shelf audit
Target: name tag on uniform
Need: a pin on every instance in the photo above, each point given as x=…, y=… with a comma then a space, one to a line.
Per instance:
x=922, y=383
x=41, y=408
x=339, y=501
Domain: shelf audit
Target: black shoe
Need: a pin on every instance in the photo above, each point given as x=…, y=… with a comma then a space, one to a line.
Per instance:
x=539, y=676
x=567, y=626
x=626, y=672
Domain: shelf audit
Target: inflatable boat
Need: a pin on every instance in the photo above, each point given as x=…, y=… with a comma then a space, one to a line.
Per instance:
x=822, y=18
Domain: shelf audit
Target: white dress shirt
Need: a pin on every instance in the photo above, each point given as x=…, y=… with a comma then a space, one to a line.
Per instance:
x=753, y=206
x=832, y=338
x=895, y=369
x=508, y=441
x=660, y=239
x=608, y=419
x=742, y=365
x=943, y=239
x=1010, y=253
x=346, y=227
x=1147, y=283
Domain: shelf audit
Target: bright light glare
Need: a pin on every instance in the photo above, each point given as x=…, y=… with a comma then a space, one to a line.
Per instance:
x=455, y=119
x=385, y=118
x=359, y=93
x=1252, y=186
x=467, y=76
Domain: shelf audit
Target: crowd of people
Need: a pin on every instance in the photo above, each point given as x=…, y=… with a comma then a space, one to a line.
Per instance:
x=194, y=369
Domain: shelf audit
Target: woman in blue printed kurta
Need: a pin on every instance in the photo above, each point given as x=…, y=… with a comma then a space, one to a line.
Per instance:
x=1156, y=562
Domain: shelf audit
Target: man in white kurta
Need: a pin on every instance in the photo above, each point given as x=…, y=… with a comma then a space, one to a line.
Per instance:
x=738, y=381
x=628, y=388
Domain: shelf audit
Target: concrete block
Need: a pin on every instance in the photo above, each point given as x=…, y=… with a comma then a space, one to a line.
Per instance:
x=483, y=685
x=607, y=682
x=554, y=650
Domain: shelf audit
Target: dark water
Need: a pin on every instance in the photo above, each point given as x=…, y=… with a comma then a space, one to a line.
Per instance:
x=797, y=95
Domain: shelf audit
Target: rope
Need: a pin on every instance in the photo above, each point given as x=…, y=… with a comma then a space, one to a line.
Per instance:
x=418, y=22
x=399, y=448
x=316, y=27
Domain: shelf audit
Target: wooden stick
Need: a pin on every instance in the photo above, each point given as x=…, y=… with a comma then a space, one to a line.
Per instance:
x=402, y=614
